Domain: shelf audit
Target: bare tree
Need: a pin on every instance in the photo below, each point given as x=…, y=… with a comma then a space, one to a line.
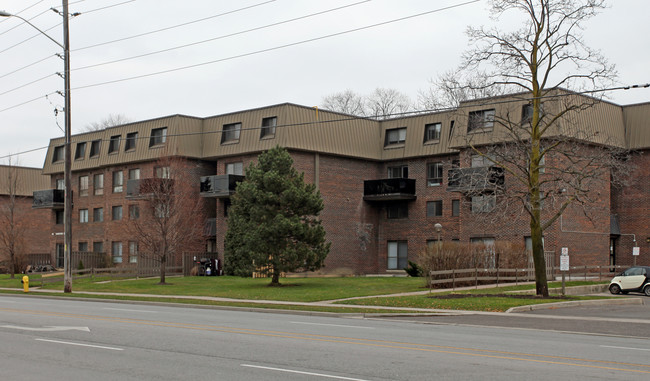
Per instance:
x=170, y=218
x=111, y=120
x=545, y=54
x=383, y=103
x=347, y=102
x=11, y=231
x=454, y=87
x=380, y=104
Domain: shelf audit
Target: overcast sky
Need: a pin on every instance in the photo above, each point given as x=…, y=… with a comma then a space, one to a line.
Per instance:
x=236, y=70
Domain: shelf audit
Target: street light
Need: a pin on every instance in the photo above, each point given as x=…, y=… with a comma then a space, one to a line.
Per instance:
x=438, y=229
x=67, y=205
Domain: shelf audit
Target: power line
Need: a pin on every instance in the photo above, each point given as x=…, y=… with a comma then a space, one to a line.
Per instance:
x=18, y=13
x=107, y=7
x=171, y=27
x=276, y=47
x=470, y=103
x=222, y=36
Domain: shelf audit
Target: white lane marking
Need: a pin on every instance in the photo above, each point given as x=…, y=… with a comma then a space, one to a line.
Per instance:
x=305, y=373
x=127, y=310
x=634, y=349
x=47, y=329
x=79, y=344
x=333, y=325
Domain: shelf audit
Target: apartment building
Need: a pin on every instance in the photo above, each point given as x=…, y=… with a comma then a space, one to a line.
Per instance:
x=385, y=183
x=32, y=227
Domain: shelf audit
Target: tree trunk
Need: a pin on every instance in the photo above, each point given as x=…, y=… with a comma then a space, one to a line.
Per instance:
x=275, y=278
x=163, y=263
x=541, y=285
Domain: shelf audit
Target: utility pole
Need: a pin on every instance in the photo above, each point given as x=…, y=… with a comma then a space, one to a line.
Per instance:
x=67, y=166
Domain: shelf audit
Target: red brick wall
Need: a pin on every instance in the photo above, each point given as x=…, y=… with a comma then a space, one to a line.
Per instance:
x=631, y=204
x=34, y=224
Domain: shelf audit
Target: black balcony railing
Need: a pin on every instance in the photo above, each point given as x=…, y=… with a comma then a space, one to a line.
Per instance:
x=475, y=179
x=145, y=188
x=49, y=199
x=220, y=185
x=389, y=190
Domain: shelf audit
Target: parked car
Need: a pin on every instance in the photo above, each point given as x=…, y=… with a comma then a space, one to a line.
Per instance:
x=634, y=279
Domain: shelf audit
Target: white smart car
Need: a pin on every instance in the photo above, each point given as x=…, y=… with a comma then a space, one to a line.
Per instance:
x=634, y=279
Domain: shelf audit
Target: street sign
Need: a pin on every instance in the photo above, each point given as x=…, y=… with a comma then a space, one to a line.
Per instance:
x=565, y=251
x=636, y=251
x=564, y=263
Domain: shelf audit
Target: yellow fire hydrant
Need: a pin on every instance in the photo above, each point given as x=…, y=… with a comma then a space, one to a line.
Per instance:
x=25, y=283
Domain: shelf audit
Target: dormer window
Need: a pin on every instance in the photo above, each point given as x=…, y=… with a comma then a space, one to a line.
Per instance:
x=230, y=133
x=482, y=120
x=395, y=136
x=432, y=132
x=58, y=154
x=114, y=144
x=158, y=136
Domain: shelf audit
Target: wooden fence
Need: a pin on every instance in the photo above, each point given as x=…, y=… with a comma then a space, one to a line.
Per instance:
x=474, y=277
x=109, y=273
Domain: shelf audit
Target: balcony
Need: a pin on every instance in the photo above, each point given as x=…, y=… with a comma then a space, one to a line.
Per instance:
x=49, y=199
x=220, y=186
x=147, y=188
x=475, y=179
x=389, y=190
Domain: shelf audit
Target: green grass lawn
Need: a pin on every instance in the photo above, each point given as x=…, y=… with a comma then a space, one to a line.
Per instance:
x=303, y=290
x=293, y=289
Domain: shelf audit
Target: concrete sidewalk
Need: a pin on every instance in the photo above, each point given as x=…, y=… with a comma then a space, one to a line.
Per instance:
x=580, y=290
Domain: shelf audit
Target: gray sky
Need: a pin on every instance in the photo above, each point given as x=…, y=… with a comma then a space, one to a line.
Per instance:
x=402, y=55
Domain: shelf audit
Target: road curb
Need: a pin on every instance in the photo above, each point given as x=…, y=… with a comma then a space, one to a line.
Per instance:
x=577, y=303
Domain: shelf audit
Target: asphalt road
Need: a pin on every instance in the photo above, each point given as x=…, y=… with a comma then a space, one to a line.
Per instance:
x=70, y=339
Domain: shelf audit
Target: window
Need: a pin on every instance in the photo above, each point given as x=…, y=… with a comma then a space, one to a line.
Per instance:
x=528, y=243
x=483, y=203
x=83, y=216
x=134, y=174
x=455, y=208
x=58, y=217
x=131, y=139
x=94, y=147
x=162, y=172
x=235, y=168
x=432, y=132
x=82, y=246
x=162, y=211
x=395, y=136
x=80, y=153
x=482, y=161
x=98, y=247
x=434, y=208
x=60, y=184
x=397, y=210
x=117, y=212
x=83, y=185
x=434, y=174
x=98, y=214
x=118, y=181
x=268, y=127
x=486, y=254
x=398, y=172
x=114, y=144
x=526, y=113
x=98, y=184
x=117, y=252
x=58, y=154
x=230, y=132
x=397, y=255
x=480, y=120
x=134, y=212
x=158, y=136
x=133, y=252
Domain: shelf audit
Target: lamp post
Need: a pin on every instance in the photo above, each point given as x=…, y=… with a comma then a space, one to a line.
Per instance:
x=438, y=229
x=67, y=206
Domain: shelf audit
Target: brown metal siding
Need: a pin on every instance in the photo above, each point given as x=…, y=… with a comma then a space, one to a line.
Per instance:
x=183, y=138
x=637, y=125
x=29, y=180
